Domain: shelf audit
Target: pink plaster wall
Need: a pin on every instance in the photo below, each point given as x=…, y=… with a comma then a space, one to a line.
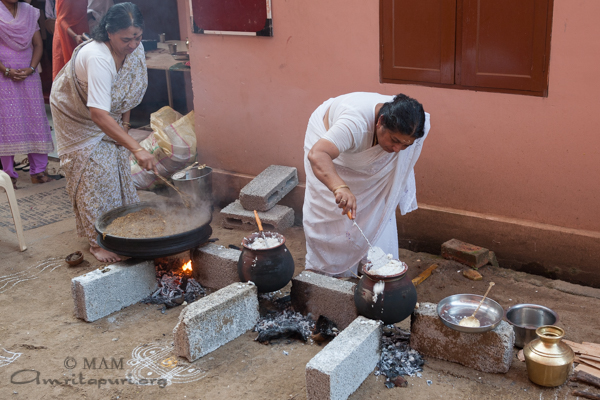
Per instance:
x=510, y=155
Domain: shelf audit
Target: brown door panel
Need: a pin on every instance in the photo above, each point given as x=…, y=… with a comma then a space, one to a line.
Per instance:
x=503, y=44
x=418, y=40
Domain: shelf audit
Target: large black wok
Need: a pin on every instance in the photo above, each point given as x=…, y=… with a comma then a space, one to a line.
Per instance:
x=149, y=248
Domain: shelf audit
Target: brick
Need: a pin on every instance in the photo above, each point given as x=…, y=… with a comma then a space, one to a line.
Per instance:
x=97, y=294
x=472, y=274
x=487, y=352
x=341, y=367
x=494, y=259
x=270, y=186
x=323, y=295
x=465, y=253
x=215, y=320
x=215, y=266
x=279, y=218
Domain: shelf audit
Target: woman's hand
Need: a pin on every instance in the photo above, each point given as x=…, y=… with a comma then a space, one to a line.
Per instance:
x=346, y=201
x=146, y=160
x=22, y=74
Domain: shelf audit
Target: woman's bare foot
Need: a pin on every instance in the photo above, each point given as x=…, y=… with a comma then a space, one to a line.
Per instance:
x=104, y=255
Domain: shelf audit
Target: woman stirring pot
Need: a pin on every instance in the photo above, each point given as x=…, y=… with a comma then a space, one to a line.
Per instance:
x=91, y=101
x=360, y=150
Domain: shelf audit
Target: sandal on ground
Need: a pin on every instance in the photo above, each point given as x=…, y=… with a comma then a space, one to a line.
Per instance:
x=22, y=166
x=41, y=177
x=14, y=182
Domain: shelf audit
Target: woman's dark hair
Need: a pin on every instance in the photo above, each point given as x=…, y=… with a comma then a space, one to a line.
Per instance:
x=120, y=16
x=405, y=115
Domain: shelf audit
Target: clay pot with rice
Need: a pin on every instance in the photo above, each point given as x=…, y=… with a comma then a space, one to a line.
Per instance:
x=270, y=267
x=389, y=298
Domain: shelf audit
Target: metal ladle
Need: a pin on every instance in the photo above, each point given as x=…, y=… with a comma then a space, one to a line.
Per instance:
x=471, y=321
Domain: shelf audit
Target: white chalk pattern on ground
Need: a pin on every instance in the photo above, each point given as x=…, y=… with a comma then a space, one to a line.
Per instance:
x=11, y=280
x=9, y=358
x=155, y=362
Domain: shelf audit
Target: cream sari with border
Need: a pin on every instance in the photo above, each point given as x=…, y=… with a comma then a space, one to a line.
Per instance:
x=380, y=181
x=97, y=168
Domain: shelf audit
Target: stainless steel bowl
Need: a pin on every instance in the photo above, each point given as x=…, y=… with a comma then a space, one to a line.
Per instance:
x=454, y=308
x=526, y=318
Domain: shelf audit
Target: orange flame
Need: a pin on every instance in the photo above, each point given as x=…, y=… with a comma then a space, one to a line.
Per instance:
x=187, y=267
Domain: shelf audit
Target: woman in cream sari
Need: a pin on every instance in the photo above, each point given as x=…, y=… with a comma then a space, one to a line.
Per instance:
x=360, y=151
x=91, y=100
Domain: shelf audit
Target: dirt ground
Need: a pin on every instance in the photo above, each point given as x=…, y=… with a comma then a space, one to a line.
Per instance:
x=42, y=344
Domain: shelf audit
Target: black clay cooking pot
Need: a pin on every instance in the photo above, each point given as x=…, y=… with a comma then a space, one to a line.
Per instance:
x=270, y=269
x=150, y=248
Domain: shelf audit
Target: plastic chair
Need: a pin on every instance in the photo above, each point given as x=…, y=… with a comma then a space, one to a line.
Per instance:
x=6, y=183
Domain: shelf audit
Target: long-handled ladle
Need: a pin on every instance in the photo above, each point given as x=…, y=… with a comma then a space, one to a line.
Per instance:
x=260, y=228
x=471, y=321
x=184, y=196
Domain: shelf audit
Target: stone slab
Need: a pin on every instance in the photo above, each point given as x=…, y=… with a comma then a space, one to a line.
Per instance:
x=270, y=186
x=323, y=295
x=103, y=291
x=215, y=266
x=215, y=320
x=487, y=352
x=341, y=367
x=279, y=218
x=465, y=253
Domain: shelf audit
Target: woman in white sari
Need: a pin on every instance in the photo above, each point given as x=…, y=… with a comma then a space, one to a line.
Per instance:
x=359, y=155
x=91, y=101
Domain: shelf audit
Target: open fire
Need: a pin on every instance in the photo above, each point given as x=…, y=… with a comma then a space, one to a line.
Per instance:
x=175, y=284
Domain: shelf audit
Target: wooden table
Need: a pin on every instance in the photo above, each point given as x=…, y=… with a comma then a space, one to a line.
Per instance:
x=161, y=59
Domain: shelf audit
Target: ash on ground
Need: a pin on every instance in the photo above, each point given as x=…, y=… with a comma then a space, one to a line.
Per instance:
x=397, y=358
x=284, y=324
x=173, y=290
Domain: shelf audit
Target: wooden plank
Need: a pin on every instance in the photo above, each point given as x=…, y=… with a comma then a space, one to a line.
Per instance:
x=583, y=349
x=591, y=358
x=594, y=364
x=586, y=378
x=424, y=275
x=590, y=370
x=586, y=395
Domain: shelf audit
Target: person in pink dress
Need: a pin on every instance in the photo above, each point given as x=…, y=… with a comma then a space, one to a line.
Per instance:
x=24, y=127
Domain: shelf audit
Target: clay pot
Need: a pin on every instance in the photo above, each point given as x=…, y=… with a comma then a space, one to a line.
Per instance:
x=269, y=269
x=549, y=360
x=394, y=304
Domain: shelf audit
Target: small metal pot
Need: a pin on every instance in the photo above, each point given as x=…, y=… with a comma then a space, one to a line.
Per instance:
x=269, y=269
x=526, y=318
x=549, y=360
x=197, y=183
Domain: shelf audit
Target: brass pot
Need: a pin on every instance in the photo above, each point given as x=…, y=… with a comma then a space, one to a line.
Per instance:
x=549, y=360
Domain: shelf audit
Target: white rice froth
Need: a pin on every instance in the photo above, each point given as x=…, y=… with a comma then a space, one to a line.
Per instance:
x=267, y=243
x=393, y=267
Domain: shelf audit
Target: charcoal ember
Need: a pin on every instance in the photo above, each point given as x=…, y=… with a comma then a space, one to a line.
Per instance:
x=193, y=291
x=325, y=329
x=397, y=358
x=173, y=290
x=284, y=324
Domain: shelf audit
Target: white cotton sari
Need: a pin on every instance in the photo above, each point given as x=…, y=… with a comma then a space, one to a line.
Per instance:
x=380, y=181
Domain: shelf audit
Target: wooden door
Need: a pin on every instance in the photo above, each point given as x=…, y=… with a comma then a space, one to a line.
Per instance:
x=418, y=40
x=504, y=44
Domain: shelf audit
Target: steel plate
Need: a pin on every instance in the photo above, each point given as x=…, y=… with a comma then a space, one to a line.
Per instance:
x=454, y=308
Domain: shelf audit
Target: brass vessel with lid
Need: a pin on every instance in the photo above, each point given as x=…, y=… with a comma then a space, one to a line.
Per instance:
x=549, y=360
